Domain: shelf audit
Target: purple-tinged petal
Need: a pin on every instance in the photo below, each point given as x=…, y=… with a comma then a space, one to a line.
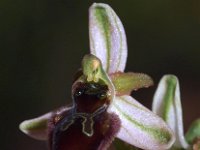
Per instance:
x=36, y=128
x=141, y=127
x=107, y=37
x=126, y=82
x=167, y=104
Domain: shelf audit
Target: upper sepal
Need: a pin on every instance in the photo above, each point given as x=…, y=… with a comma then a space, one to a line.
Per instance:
x=126, y=82
x=141, y=127
x=36, y=128
x=167, y=104
x=107, y=37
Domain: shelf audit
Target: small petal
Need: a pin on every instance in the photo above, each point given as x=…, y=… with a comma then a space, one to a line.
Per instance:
x=37, y=127
x=194, y=132
x=140, y=127
x=167, y=104
x=126, y=82
x=107, y=37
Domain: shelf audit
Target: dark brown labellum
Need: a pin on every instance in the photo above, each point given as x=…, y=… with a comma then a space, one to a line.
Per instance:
x=88, y=97
x=87, y=125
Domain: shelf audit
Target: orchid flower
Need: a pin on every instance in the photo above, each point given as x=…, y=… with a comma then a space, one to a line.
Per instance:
x=102, y=106
x=167, y=104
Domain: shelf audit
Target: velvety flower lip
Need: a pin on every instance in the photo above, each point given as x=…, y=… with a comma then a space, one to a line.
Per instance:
x=139, y=126
x=167, y=104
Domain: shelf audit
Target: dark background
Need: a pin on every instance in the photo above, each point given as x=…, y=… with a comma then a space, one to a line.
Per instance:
x=42, y=43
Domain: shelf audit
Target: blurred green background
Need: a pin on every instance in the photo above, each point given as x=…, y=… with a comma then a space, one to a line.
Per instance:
x=42, y=43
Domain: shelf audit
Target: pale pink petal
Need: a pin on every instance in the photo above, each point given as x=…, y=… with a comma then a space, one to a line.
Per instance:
x=107, y=37
x=167, y=104
x=140, y=127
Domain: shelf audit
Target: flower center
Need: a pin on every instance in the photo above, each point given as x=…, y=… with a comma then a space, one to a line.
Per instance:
x=90, y=97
